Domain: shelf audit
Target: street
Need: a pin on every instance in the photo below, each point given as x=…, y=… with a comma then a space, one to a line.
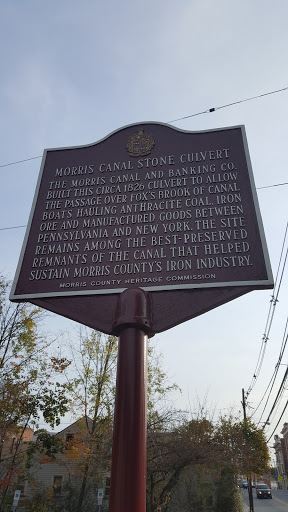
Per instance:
x=279, y=502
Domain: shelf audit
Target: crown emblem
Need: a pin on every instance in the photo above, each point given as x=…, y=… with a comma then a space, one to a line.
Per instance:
x=140, y=144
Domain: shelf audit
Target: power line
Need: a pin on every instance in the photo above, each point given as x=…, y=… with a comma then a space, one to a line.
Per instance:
x=213, y=109
x=208, y=111
x=278, y=421
x=20, y=161
x=268, y=326
x=13, y=227
x=271, y=384
x=270, y=186
x=279, y=394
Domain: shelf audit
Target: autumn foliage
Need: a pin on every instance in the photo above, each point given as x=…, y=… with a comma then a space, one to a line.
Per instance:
x=29, y=387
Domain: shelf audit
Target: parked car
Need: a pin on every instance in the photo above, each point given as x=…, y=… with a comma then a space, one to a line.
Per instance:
x=263, y=491
x=244, y=484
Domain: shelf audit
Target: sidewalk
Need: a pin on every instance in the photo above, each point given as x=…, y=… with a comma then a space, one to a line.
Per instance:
x=246, y=507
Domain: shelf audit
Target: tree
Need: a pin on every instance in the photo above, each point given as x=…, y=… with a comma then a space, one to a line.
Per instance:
x=243, y=444
x=181, y=444
x=208, y=454
x=92, y=391
x=255, y=452
x=92, y=387
x=28, y=389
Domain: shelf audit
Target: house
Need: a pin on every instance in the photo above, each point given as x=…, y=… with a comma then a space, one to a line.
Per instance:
x=15, y=440
x=281, y=460
x=13, y=444
x=281, y=452
x=58, y=477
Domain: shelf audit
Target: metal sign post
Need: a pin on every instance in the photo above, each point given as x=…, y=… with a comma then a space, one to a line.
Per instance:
x=16, y=499
x=128, y=475
x=100, y=499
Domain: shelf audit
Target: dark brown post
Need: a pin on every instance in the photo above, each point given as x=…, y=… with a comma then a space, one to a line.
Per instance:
x=128, y=474
x=250, y=493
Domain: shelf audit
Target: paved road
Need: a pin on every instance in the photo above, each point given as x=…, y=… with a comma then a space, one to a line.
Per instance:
x=279, y=502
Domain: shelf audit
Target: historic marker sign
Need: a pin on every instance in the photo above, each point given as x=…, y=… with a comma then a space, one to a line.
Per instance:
x=149, y=206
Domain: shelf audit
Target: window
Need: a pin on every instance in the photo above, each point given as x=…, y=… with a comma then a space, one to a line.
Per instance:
x=69, y=438
x=107, y=488
x=21, y=485
x=57, y=484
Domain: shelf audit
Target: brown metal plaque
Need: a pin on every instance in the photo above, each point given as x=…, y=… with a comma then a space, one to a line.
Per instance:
x=148, y=206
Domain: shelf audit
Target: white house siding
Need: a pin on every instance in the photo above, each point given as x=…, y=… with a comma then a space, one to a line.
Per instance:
x=43, y=474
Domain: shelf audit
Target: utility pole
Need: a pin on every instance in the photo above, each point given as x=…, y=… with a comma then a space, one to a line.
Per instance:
x=250, y=494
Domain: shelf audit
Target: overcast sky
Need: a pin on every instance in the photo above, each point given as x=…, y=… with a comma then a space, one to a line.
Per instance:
x=72, y=72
